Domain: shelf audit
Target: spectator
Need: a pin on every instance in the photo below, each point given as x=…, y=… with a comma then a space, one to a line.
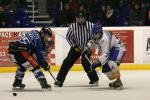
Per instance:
x=14, y=4
x=5, y=2
x=146, y=7
x=49, y=7
x=123, y=16
x=97, y=8
x=56, y=14
x=3, y=17
x=109, y=17
x=74, y=5
x=83, y=8
x=136, y=15
x=66, y=16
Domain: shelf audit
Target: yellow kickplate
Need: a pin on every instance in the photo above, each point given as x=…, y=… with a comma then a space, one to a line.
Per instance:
x=80, y=68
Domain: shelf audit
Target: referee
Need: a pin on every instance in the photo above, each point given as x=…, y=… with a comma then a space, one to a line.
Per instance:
x=77, y=36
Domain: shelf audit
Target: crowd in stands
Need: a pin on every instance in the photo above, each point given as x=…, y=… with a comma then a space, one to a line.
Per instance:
x=13, y=13
x=107, y=12
x=62, y=12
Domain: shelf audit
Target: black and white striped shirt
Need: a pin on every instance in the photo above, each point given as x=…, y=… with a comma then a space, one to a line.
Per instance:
x=78, y=35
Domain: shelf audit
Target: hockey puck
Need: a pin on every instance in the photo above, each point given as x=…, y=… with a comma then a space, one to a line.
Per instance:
x=14, y=94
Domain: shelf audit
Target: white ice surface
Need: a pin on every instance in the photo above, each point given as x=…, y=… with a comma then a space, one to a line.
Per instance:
x=136, y=87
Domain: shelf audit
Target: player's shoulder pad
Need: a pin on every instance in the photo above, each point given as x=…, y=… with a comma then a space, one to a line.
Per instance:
x=108, y=33
x=35, y=31
x=36, y=34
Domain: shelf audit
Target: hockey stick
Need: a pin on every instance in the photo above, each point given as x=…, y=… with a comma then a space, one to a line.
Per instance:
x=52, y=75
x=60, y=35
x=89, y=62
x=99, y=74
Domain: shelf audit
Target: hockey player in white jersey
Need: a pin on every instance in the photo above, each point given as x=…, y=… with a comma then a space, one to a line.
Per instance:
x=112, y=51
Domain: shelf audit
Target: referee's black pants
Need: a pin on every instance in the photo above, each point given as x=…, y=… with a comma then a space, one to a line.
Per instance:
x=70, y=60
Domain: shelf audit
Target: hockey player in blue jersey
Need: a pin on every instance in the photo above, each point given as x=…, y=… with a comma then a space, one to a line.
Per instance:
x=112, y=51
x=29, y=53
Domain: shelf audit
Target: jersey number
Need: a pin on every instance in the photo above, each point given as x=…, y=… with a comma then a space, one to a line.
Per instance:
x=25, y=40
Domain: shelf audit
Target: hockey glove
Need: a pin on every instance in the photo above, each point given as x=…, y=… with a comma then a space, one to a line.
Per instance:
x=96, y=64
x=77, y=49
x=17, y=46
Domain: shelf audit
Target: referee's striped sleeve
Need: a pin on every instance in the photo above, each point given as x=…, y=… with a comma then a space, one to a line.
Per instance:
x=70, y=37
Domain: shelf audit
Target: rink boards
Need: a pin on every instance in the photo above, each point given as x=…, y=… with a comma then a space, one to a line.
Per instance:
x=136, y=40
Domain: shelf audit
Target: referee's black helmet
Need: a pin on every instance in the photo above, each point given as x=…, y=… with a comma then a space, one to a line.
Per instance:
x=80, y=17
x=80, y=14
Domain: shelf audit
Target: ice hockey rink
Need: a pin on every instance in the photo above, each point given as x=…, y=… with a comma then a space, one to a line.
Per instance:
x=136, y=87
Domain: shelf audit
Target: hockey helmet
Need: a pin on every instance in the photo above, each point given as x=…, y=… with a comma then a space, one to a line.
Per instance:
x=80, y=14
x=46, y=30
x=97, y=29
x=80, y=17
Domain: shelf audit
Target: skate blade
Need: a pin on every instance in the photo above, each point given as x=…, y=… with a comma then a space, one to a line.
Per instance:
x=94, y=85
x=47, y=90
x=58, y=86
x=117, y=88
x=17, y=88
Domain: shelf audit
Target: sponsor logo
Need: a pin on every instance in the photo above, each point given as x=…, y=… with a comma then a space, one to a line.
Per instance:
x=148, y=44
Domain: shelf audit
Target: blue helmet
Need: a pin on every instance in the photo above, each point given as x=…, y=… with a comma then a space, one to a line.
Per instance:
x=97, y=29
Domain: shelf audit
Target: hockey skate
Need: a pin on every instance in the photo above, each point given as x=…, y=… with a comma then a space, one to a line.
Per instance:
x=116, y=84
x=58, y=84
x=17, y=85
x=94, y=83
x=45, y=87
